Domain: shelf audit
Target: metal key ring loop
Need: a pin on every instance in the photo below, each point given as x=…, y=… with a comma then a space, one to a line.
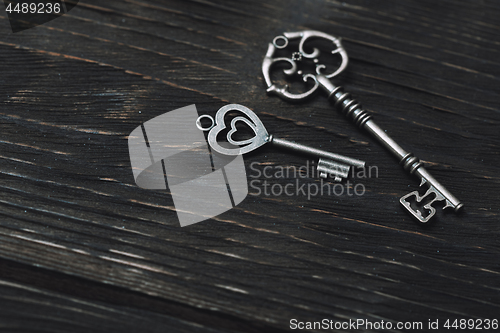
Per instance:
x=278, y=38
x=200, y=127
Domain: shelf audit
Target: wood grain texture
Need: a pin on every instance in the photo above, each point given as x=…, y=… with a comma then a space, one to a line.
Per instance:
x=82, y=248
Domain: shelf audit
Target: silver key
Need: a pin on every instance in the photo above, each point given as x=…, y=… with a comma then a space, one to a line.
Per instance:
x=353, y=111
x=332, y=164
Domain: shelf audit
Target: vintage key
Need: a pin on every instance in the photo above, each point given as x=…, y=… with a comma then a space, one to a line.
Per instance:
x=332, y=164
x=353, y=111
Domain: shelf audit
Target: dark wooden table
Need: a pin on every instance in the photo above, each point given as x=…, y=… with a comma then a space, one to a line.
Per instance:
x=83, y=249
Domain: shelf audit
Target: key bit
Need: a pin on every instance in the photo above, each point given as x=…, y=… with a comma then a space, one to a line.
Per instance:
x=336, y=170
x=352, y=110
x=434, y=188
x=334, y=161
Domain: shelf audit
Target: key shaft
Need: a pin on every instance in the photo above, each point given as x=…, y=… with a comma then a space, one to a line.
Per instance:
x=306, y=150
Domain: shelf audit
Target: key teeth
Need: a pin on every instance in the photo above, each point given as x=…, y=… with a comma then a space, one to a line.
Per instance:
x=417, y=213
x=336, y=170
x=423, y=181
x=439, y=196
x=448, y=204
